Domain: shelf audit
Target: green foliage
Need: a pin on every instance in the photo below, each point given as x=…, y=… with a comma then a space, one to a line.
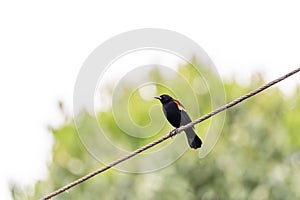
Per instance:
x=256, y=157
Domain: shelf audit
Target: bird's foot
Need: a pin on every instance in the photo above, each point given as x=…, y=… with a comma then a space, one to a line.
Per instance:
x=173, y=133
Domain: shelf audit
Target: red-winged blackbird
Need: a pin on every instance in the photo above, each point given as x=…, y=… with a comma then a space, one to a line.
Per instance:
x=177, y=116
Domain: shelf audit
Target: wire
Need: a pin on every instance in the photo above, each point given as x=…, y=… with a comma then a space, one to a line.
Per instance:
x=172, y=133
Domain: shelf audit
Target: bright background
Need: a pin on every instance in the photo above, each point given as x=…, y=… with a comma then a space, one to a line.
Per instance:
x=43, y=45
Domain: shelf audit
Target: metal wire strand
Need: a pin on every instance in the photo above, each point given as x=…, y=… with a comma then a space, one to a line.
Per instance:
x=172, y=133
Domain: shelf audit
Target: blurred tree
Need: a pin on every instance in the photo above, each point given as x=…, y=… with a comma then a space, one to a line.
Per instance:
x=257, y=156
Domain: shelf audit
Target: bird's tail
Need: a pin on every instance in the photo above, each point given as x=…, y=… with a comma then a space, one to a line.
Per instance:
x=193, y=140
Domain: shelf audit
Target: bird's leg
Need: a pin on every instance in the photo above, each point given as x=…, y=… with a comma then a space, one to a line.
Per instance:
x=173, y=132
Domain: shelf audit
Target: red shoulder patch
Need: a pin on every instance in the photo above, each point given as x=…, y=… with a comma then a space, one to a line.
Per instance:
x=179, y=105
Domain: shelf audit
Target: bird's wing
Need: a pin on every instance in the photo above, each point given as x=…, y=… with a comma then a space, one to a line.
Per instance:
x=185, y=118
x=179, y=105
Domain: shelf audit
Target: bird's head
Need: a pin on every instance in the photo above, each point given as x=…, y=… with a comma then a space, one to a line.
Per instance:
x=164, y=98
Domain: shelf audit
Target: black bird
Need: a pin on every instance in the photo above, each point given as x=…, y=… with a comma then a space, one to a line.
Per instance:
x=177, y=116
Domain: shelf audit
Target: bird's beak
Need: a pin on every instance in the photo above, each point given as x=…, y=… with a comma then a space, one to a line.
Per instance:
x=159, y=98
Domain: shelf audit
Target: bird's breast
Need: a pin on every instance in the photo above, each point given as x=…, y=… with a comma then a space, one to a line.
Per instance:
x=172, y=113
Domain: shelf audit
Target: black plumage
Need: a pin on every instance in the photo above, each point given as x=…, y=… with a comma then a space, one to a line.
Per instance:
x=177, y=116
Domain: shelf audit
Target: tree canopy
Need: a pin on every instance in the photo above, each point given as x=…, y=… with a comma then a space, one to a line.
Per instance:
x=256, y=157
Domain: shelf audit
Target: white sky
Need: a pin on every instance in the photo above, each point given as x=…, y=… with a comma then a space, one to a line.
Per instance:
x=44, y=43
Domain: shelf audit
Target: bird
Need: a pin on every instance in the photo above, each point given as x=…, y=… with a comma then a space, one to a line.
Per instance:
x=177, y=116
